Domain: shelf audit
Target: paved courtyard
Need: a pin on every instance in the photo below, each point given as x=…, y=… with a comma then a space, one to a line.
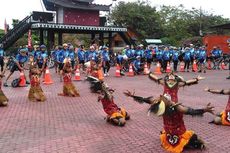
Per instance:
x=69, y=125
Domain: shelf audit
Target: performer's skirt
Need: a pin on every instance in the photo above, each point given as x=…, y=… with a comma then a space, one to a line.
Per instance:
x=174, y=143
x=38, y=92
x=225, y=117
x=70, y=90
x=3, y=98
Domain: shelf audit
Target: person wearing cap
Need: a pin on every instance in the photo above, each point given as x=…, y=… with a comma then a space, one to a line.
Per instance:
x=64, y=53
x=19, y=61
x=187, y=58
x=222, y=118
x=149, y=56
x=175, y=59
x=2, y=55
x=174, y=137
x=166, y=58
x=138, y=65
x=42, y=60
x=81, y=54
x=216, y=55
x=105, y=60
x=202, y=59
x=72, y=56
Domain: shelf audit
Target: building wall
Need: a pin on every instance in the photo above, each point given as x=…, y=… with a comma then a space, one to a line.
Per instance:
x=60, y=15
x=81, y=17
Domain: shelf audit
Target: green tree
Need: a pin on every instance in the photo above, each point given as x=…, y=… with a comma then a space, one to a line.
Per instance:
x=139, y=16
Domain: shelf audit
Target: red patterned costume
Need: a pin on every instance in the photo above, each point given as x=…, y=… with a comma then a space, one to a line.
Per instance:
x=35, y=92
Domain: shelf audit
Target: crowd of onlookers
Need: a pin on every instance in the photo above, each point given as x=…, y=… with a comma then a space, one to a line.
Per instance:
x=137, y=57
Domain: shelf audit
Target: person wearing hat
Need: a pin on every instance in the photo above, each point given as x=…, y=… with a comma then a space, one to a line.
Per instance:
x=202, y=59
x=137, y=65
x=222, y=118
x=175, y=59
x=72, y=56
x=69, y=89
x=174, y=137
x=64, y=53
x=42, y=60
x=187, y=58
x=105, y=60
x=81, y=54
x=19, y=61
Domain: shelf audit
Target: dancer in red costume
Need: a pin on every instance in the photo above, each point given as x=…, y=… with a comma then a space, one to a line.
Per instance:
x=222, y=118
x=174, y=138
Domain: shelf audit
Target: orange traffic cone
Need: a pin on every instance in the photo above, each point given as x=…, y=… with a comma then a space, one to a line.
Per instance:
x=168, y=69
x=223, y=66
x=209, y=65
x=146, y=70
x=158, y=69
x=194, y=66
x=77, y=74
x=47, y=79
x=22, y=82
x=118, y=71
x=182, y=67
x=131, y=72
x=100, y=74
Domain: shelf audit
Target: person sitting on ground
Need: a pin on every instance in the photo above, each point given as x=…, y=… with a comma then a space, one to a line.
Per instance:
x=138, y=66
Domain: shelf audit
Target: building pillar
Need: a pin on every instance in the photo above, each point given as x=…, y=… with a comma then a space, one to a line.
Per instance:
x=93, y=35
x=101, y=38
x=50, y=40
x=60, y=38
x=110, y=40
x=41, y=36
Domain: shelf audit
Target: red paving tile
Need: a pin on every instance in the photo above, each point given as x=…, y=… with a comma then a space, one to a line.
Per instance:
x=70, y=125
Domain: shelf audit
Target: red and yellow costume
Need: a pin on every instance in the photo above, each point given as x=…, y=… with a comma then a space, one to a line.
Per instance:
x=35, y=93
x=3, y=99
x=112, y=110
x=225, y=115
x=68, y=87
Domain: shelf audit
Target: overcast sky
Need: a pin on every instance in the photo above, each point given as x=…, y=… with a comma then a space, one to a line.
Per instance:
x=18, y=9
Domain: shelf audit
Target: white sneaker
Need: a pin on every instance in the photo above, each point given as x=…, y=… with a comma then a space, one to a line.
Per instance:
x=107, y=74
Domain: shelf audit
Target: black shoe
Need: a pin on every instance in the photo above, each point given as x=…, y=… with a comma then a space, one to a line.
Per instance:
x=204, y=71
x=187, y=70
x=27, y=82
x=199, y=71
x=228, y=77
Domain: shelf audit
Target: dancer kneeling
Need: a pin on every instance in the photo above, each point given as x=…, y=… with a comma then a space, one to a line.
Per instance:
x=222, y=118
x=35, y=93
x=174, y=137
x=68, y=87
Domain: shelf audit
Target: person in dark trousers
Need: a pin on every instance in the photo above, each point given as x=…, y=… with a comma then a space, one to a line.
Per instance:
x=166, y=58
x=105, y=60
x=175, y=59
x=187, y=58
x=2, y=54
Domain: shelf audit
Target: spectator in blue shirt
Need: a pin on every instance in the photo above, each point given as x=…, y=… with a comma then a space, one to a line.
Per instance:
x=202, y=59
x=187, y=58
x=105, y=60
x=175, y=58
x=81, y=54
x=159, y=53
x=166, y=58
x=137, y=65
x=72, y=56
x=149, y=56
x=2, y=55
x=216, y=54
x=64, y=53
x=19, y=61
x=42, y=60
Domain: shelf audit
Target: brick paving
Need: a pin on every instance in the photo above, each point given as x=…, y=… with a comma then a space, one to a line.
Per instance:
x=70, y=125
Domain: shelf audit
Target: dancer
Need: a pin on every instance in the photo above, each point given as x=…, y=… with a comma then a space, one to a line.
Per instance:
x=222, y=118
x=174, y=138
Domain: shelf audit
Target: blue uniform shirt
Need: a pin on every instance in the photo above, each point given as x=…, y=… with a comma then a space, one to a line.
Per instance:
x=148, y=54
x=166, y=55
x=81, y=55
x=21, y=59
x=175, y=55
x=105, y=55
x=187, y=56
x=2, y=53
x=202, y=55
x=137, y=64
x=159, y=54
x=72, y=55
